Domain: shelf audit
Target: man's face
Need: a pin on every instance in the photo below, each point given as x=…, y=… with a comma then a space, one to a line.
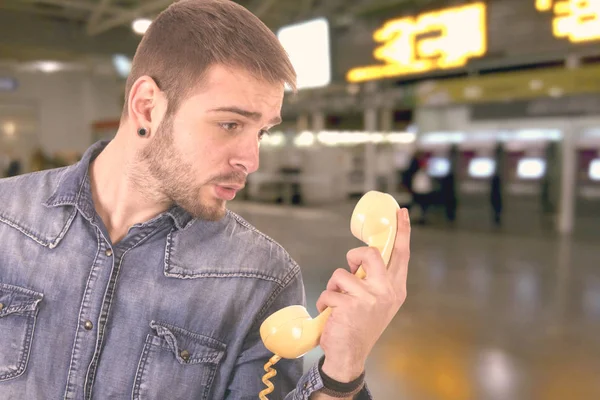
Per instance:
x=203, y=153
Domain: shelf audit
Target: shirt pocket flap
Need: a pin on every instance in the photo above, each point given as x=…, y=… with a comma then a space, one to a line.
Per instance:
x=15, y=299
x=189, y=347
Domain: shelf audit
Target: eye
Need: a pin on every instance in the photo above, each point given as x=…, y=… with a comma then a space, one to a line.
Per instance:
x=230, y=126
x=262, y=133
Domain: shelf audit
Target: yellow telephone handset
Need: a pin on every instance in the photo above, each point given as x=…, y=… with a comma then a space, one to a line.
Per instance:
x=291, y=332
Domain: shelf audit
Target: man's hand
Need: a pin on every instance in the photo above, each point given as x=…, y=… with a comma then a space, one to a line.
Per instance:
x=362, y=309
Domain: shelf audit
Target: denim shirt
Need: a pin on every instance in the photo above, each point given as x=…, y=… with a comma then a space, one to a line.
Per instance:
x=172, y=311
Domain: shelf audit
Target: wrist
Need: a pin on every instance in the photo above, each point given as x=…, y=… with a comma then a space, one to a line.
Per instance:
x=340, y=389
x=340, y=372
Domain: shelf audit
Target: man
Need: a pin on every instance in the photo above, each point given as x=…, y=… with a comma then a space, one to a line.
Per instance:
x=422, y=188
x=124, y=276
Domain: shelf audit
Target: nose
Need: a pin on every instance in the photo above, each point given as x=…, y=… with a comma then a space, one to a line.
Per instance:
x=246, y=155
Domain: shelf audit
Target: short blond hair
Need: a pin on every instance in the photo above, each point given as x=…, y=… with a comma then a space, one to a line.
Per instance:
x=190, y=36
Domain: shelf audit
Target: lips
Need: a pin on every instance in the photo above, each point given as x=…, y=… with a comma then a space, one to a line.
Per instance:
x=226, y=191
x=237, y=188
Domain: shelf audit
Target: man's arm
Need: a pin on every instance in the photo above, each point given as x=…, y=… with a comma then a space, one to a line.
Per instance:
x=361, y=311
x=363, y=308
x=289, y=383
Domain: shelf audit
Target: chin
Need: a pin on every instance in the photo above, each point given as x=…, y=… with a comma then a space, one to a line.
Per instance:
x=217, y=214
x=213, y=212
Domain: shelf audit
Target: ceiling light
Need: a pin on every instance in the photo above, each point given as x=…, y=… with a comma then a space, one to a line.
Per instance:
x=49, y=66
x=141, y=25
x=304, y=139
x=401, y=137
x=9, y=128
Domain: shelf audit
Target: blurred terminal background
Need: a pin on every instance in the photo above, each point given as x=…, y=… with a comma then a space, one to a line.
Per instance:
x=481, y=116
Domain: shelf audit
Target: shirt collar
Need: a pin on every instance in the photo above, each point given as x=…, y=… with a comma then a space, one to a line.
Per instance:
x=74, y=189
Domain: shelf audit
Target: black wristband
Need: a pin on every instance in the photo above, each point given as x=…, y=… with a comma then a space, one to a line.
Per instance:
x=337, y=389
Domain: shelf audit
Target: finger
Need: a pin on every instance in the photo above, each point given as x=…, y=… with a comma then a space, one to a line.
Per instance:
x=399, y=260
x=330, y=298
x=344, y=281
x=354, y=266
x=370, y=259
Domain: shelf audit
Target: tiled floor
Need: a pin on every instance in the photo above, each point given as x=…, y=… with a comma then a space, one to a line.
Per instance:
x=488, y=316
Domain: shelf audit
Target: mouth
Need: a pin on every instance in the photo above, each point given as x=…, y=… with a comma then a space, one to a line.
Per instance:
x=227, y=192
x=237, y=188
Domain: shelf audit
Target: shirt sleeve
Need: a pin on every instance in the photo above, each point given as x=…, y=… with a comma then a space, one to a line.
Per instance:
x=312, y=382
x=289, y=383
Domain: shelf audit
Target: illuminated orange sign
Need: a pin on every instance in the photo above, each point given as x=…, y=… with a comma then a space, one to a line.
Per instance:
x=441, y=39
x=543, y=5
x=577, y=20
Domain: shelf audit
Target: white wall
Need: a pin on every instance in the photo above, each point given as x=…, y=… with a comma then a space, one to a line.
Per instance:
x=67, y=104
x=457, y=118
x=442, y=119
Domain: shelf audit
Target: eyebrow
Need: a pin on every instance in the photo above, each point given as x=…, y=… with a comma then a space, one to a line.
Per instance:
x=253, y=115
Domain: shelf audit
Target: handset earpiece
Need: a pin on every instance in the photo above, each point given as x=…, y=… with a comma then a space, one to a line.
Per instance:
x=291, y=332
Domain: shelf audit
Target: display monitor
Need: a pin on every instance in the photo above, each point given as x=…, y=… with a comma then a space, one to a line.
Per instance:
x=307, y=44
x=594, y=170
x=438, y=167
x=482, y=167
x=531, y=168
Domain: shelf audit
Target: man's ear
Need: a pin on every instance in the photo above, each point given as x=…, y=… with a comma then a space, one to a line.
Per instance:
x=144, y=97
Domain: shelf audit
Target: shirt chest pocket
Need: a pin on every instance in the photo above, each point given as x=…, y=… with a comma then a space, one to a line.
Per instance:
x=177, y=364
x=18, y=313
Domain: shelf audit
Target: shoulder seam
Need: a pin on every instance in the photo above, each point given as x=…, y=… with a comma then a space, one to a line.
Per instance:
x=63, y=173
x=241, y=221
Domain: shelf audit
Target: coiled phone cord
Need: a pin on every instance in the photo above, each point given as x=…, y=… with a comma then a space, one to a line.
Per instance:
x=270, y=373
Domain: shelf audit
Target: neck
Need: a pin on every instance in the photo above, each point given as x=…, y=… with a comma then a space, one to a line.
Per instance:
x=123, y=191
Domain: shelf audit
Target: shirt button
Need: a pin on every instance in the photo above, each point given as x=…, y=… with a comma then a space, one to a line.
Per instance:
x=88, y=325
x=1, y=306
x=185, y=355
x=108, y=252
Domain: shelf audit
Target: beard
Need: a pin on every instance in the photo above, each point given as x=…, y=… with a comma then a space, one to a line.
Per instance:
x=175, y=177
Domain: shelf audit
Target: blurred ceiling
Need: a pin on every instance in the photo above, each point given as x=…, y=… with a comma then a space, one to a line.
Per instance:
x=101, y=15
x=71, y=29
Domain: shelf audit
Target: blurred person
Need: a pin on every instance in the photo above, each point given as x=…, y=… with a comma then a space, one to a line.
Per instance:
x=14, y=168
x=496, y=187
x=548, y=207
x=496, y=199
x=422, y=189
x=405, y=180
x=410, y=172
x=448, y=187
x=448, y=194
x=125, y=276
x=10, y=165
